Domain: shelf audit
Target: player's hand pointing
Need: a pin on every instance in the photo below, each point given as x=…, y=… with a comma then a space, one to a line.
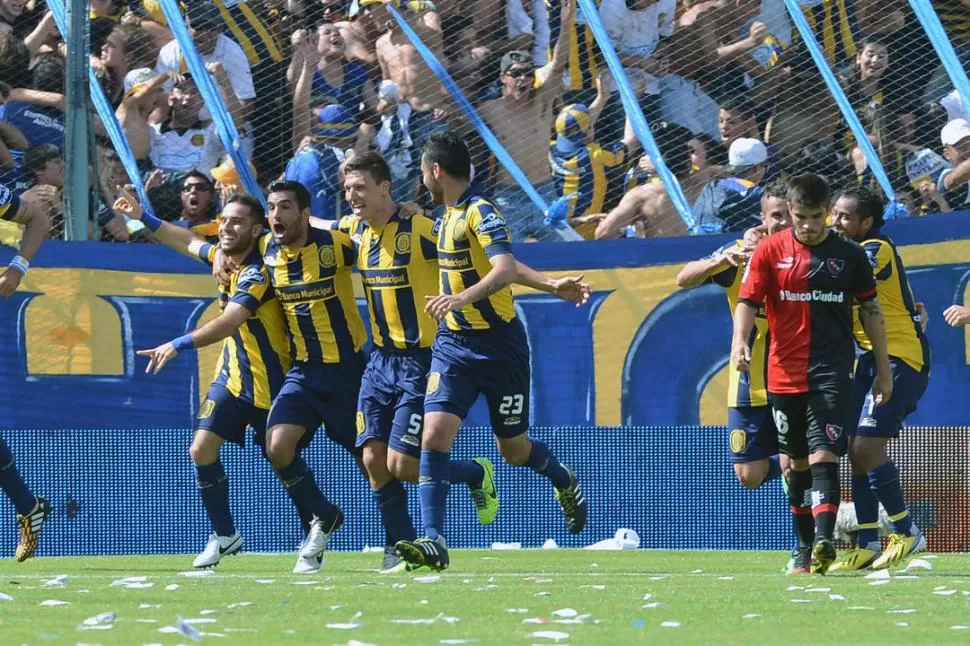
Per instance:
x=882, y=387
x=740, y=356
x=572, y=289
x=158, y=357
x=439, y=306
x=127, y=204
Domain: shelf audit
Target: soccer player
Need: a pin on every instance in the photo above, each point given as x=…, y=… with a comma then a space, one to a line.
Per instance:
x=255, y=354
x=32, y=511
x=480, y=348
x=310, y=270
x=857, y=214
x=397, y=257
x=807, y=277
x=753, y=439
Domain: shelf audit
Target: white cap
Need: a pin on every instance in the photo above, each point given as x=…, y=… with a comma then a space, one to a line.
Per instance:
x=389, y=91
x=137, y=77
x=954, y=132
x=745, y=153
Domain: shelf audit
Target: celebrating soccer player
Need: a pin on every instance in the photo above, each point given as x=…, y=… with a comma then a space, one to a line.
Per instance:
x=807, y=278
x=255, y=354
x=32, y=511
x=480, y=348
x=753, y=439
x=857, y=213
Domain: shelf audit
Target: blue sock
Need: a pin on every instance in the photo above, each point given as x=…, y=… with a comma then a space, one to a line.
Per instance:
x=884, y=481
x=774, y=469
x=543, y=462
x=866, y=510
x=299, y=482
x=467, y=471
x=392, y=501
x=433, y=483
x=14, y=486
x=214, y=489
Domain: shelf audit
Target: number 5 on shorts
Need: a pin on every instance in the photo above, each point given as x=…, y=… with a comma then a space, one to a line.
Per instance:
x=414, y=424
x=512, y=405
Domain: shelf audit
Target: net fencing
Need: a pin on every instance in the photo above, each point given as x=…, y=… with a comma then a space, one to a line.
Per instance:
x=540, y=89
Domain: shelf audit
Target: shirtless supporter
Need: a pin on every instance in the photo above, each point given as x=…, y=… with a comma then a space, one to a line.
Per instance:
x=521, y=120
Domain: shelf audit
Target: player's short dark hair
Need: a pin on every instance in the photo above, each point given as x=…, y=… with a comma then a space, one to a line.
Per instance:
x=254, y=207
x=739, y=104
x=199, y=175
x=672, y=141
x=809, y=190
x=778, y=189
x=450, y=152
x=371, y=162
x=868, y=203
x=37, y=157
x=297, y=189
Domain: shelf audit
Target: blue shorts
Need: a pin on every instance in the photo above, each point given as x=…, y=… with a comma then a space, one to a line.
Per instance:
x=228, y=416
x=391, y=405
x=315, y=393
x=494, y=363
x=753, y=433
x=885, y=420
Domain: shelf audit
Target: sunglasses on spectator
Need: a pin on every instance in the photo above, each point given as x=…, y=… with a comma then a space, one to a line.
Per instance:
x=519, y=72
x=196, y=186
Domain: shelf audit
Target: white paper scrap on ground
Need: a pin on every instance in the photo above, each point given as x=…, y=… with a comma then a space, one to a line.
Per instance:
x=878, y=575
x=428, y=578
x=879, y=582
x=550, y=544
x=60, y=579
x=670, y=624
x=565, y=613
x=918, y=564
x=197, y=573
x=171, y=586
x=549, y=634
x=54, y=602
x=5, y=597
x=751, y=615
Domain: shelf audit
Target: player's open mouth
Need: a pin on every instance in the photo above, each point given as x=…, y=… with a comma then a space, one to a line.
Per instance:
x=279, y=229
x=357, y=207
x=193, y=201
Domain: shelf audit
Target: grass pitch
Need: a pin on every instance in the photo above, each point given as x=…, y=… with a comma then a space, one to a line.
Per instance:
x=487, y=597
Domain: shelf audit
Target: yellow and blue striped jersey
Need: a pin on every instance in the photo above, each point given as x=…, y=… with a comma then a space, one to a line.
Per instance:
x=955, y=16
x=585, y=174
x=746, y=388
x=398, y=264
x=9, y=203
x=256, y=357
x=903, y=332
x=584, y=61
x=313, y=284
x=472, y=231
x=835, y=28
x=244, y=25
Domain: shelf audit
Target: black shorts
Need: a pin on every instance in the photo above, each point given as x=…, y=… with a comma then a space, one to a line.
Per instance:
x=818, y=420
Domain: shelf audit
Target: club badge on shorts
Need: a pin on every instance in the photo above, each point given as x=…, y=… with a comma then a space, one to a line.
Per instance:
x=833, y=431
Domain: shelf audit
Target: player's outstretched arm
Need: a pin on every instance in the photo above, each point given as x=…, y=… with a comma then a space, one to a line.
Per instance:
x=219, y=328
x=568, y=288
x=744, y=314
x=502, y=274
x=957, y=315
x=174, y=237
x=696, y=272
x=36, y=229
x=870, y=313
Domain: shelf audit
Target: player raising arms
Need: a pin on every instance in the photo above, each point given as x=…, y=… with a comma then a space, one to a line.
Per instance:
x=480, y=347
x=754, y=440
x=807, y=277
x=255, y=354
x=32, y=511
x=857, y=213
x=397, y=257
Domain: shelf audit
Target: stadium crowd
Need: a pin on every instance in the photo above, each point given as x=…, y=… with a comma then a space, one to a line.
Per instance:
x=732, y=96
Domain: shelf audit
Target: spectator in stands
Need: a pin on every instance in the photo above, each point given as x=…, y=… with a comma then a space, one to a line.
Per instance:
x=954, y=184
x=526, y=28
x=836, y=28
x=14, y=61
x=126, y=48
x=401, y=63
x=336, y=79
x=142, y=96
x=732, y=204
x=361, y=32
x=521, y=121
x=40, y=124
x=737, y=119
x=199, y=206
x=648, y=208
x=706, y=153
x=394, y=141
x=825, y=158
x=183, y=142
x=206, y=28
x=864, y=81
x=105, y=223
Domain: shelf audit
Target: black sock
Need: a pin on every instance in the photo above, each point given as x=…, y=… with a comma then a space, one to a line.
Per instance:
x=825, y=497
x=799, y=482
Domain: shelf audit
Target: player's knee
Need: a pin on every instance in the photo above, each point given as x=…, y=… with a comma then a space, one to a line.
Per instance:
x=866, y=455
x=439, y=431
x=375, y=460
x=516, y=451
x=751, y=475
x=204, y=449
x=402, y=467
x=280, y=448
